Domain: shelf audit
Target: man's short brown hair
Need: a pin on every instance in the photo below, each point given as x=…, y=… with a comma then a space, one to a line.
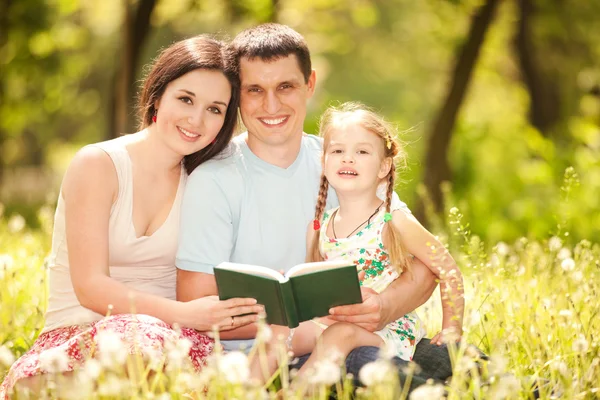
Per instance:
x=270, y=42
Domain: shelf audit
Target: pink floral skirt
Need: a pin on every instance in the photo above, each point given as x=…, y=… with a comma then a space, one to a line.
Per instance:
x=140, y=334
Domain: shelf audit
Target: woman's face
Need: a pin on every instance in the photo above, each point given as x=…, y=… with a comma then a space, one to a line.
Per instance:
x=192, y=110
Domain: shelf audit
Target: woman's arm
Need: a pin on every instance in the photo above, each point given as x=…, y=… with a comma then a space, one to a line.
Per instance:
x=195, y=285
x=89, y=189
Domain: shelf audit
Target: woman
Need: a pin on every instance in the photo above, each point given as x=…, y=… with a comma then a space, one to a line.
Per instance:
x=116, y=223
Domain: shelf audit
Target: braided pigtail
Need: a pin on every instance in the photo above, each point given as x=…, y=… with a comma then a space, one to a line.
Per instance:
x=391, y=237
x=314, y=254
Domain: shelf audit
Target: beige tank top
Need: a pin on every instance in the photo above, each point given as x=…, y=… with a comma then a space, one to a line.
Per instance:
x=146, y=263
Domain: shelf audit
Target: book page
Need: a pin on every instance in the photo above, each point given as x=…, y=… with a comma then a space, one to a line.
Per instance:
x=306, y=268
x=253, y=270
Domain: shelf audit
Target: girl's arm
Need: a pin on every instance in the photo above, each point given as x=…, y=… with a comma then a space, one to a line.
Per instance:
x=89, y=189
x=423, y=245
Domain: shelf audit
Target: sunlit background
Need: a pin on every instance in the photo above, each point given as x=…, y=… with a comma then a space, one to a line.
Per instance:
x=495, y=97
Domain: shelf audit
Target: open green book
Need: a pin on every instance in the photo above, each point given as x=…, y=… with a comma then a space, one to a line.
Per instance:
x=306, y=291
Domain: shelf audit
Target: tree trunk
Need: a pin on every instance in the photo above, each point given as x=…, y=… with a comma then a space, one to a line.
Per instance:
x=437, y=169
x=4, y=27
x=544, y=106
x=135, y=30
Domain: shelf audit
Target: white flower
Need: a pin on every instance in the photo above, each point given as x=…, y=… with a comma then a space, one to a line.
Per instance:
x=554, y=244
x=184, y=382
x=568, y=264
x=560, y=367
x=507, y=387
x=565, y=313
x=6, y=356
x=6, y=261
x=387, y=351
x=113, y=386
x=16, y=223
x=577, y=276
x=111, y=349
x=563, y=253
x=466, y=364
x=428, y=392
x=497, y=365
x=234, y=366
x=326, y=372
x=502, y=248
x=92, y=368
x=178, y=351
x=54, y=360
x=264, y=334
x=375, y=372
x=580, y=345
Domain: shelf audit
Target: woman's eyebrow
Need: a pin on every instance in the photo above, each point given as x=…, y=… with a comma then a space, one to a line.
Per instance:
x=194, y=95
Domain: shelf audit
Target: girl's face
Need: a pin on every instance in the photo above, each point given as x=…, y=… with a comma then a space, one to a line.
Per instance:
x=355, y=161
x=192, y=110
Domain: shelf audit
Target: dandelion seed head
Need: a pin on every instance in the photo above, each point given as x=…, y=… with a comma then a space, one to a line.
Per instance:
x=577, y=276
x=16, y=223
x=326, y=372
x=497, y=365
x=235, y=367
x=54, y=360
x=428, y=392
x=112, y=385
x=565, y=313
x=375, y=372
x=563, y=253
x=7, y=358
x=560, y=367
x=580, y=345
x=264, y=334
x=111, y=348
x=554, y=244
x=502, y=249
x=568, y=264
x=92, y=368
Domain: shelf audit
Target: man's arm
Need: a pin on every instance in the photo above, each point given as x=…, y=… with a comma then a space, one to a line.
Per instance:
x=205, y=240
x=402, y=296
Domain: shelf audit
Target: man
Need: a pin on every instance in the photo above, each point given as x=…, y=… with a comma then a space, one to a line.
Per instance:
x=253, y=205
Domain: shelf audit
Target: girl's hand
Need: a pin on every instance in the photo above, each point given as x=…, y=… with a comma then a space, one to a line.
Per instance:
x=448, y=335
x=207, y=313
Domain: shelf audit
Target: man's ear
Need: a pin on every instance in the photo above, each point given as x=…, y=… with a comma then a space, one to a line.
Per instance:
x=386, y=166
x=312, y=80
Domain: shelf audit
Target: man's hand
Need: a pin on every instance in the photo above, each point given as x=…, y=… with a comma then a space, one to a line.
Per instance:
x=367, y=314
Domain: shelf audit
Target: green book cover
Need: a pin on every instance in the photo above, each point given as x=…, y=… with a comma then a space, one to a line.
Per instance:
x=306, y=291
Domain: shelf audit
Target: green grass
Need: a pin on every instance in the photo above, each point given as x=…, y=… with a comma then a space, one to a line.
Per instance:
x=531, y=305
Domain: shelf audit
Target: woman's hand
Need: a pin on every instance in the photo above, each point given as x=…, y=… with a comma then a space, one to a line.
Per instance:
x=207, y=313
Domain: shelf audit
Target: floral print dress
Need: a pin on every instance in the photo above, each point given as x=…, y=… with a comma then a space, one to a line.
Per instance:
x=366, y=250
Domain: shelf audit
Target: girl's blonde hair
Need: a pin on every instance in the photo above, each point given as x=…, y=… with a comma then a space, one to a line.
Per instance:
x=371, y=121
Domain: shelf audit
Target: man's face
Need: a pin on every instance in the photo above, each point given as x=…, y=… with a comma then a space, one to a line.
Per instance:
x=273, y=99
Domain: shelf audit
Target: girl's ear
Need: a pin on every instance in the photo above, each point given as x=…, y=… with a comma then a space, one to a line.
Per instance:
x=386, y=165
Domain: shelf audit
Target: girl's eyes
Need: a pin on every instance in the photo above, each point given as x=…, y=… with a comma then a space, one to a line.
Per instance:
x=338, y=151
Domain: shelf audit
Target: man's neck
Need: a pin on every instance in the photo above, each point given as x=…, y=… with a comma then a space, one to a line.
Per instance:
x=281, y=156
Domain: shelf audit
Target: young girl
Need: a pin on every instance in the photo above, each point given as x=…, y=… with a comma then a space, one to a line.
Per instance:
x=360, y=153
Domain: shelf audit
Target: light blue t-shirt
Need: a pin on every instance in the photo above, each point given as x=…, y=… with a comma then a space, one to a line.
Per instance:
x=242, y=209
x=239, y=208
